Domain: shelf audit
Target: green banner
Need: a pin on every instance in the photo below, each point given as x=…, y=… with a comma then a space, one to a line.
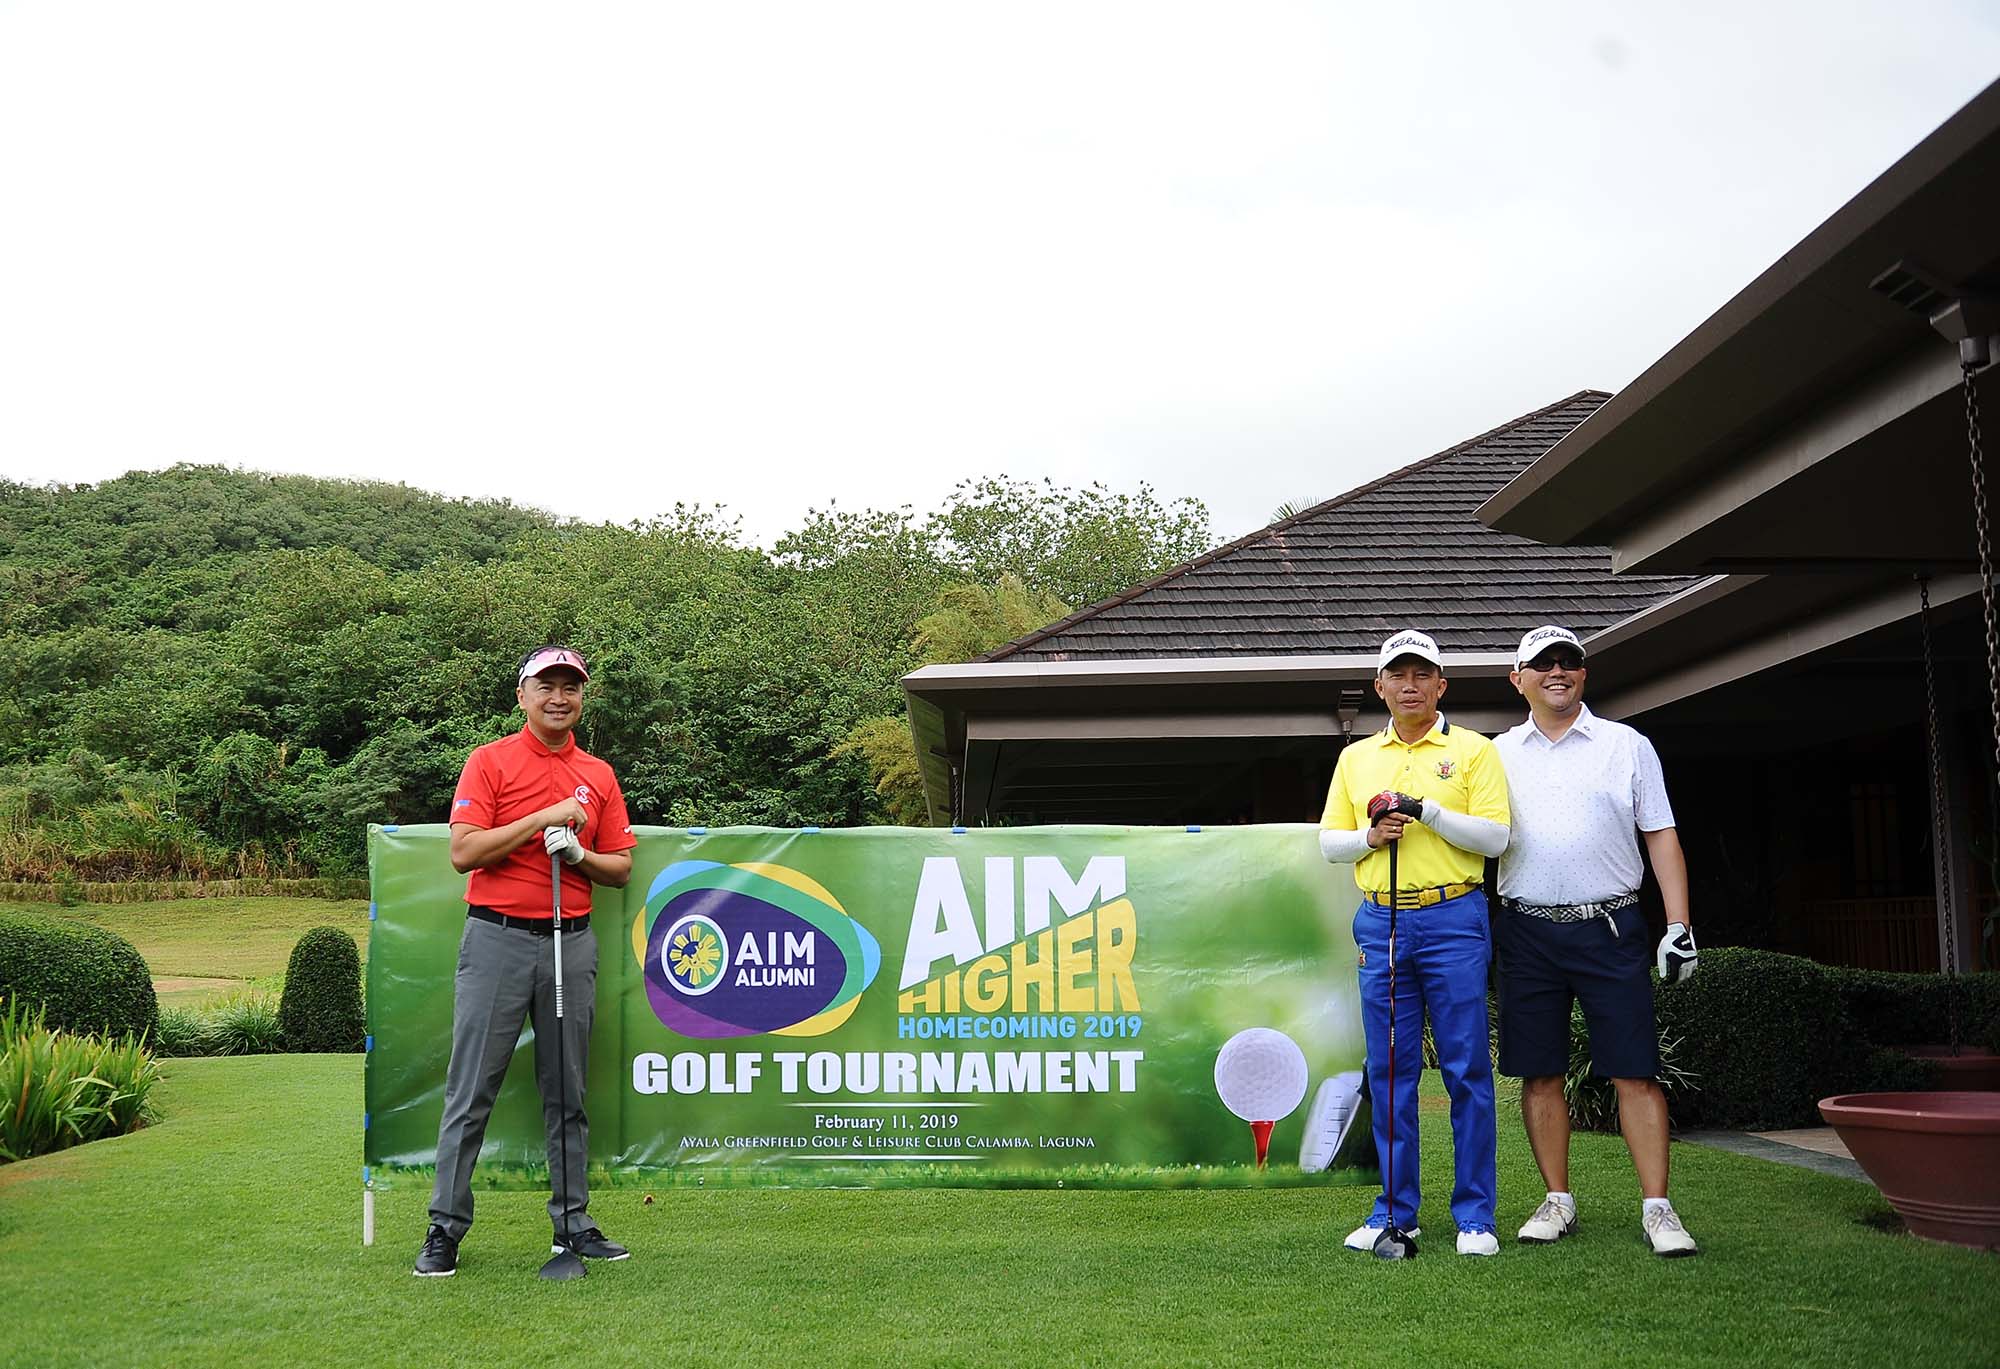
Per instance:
x=912, y=1006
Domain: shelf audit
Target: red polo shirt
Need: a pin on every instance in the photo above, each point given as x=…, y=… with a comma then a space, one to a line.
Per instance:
x=505, y=781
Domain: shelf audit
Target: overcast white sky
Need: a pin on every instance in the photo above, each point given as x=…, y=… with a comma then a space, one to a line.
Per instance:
x=599, y=258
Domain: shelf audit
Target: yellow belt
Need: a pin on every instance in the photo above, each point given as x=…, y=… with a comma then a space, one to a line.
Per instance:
x=1421, y=898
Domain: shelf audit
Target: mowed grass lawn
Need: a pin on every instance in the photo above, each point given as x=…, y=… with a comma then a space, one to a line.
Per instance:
x=198, y=948
x=229, y=1233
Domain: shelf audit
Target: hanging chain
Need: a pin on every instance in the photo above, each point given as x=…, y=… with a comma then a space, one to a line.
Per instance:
x=1940, y=815
x=1984, y=531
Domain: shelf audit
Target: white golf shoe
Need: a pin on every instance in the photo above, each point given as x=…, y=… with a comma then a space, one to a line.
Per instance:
x=1478, y=1243
x=1363, y=1238
x=1552, y=1221
x=1664, y=1233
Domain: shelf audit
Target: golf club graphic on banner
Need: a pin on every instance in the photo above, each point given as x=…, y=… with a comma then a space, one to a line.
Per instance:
x=912, y=1006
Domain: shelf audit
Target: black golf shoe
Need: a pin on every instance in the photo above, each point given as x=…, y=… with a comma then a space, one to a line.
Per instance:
x=439, y=1257
x=590, y=1243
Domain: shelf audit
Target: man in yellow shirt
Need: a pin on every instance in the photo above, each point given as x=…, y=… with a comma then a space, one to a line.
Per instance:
x=1437, y=793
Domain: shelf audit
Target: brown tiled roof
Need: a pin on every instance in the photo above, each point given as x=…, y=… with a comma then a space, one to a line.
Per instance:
x=1401, y=551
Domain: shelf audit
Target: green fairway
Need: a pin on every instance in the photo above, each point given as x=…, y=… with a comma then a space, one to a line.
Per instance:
x=230, y=1234
x=198, y=948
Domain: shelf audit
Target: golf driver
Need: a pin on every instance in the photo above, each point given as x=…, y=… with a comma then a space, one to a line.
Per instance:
x=565, y=1263
x=1394, y=1243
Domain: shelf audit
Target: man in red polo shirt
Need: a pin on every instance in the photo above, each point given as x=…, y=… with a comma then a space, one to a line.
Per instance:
x=521, y=801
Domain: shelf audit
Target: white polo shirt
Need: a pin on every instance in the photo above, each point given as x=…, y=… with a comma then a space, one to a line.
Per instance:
x=1578, y=807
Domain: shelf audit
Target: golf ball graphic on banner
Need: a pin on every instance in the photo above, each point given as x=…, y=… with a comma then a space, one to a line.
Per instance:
x=1260, y=1075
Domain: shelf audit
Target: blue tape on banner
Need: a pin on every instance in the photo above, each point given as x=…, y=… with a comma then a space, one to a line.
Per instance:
x=1194, y=827
x=371, y=912
x=368, y=1043
x=809, y=829
x=364, y=1121
x=958, y=831
x=365, y=1175
x=697, y=831
x=391, y=827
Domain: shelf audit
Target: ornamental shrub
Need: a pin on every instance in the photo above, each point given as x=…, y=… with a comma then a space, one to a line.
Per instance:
x=1888, y=1070
x=321, y=1007
x=1766, y=1036
x=82, y=978
x=60, y=1088
x=246, y=1022
x=1894, y=1009
x=179, y=1033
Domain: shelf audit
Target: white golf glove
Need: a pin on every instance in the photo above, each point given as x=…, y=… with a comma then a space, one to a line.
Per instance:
x=561, y=841
x=1677, y=956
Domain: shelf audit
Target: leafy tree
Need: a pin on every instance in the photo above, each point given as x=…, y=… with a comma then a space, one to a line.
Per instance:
x=1081, y=545
x=206, y=671
x=884, y=743
x=971, y=620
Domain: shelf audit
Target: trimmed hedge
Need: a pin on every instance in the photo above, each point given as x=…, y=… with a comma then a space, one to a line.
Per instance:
x=1915, y=1009
x=86, y=979
x=321, y=1007
x=1768, y=1035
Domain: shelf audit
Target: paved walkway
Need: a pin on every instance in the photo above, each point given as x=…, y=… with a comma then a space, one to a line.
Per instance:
x=1814, y=1148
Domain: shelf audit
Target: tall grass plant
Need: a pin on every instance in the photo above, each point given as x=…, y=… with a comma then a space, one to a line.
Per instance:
x=60, y=1089
x=242, y=1023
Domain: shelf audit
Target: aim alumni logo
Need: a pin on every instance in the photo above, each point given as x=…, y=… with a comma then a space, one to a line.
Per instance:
x=1444, y=769
x=735, y=950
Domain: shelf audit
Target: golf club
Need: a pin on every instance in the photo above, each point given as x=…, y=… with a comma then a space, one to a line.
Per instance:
x=564, y=1263
x=1394, y=1243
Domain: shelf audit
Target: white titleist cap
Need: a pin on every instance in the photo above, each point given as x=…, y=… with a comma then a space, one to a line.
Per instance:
x=1541, y=639
x=1409, y=642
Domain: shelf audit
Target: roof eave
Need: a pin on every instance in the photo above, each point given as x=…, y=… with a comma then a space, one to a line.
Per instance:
x=1805, y=328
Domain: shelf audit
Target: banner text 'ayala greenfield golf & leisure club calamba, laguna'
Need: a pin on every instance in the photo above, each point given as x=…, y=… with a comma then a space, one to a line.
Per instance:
x=908, y=1006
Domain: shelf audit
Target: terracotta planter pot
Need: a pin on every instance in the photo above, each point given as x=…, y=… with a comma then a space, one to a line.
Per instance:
x=1935, y=1156
x=1969, y=1069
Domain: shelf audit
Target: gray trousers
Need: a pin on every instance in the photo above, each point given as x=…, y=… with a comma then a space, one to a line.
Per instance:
x=506, y=975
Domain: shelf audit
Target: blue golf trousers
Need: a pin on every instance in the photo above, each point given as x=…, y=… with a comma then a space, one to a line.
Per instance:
x=1441, y=957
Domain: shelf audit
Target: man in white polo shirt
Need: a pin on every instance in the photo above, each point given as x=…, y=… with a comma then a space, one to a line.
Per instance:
x=1583, y=791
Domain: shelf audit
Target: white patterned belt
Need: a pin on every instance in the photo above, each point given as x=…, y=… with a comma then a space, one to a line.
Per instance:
x=1574, y=912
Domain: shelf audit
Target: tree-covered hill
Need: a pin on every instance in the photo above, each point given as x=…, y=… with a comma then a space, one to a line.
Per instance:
x=150, y=547
x=206, y=671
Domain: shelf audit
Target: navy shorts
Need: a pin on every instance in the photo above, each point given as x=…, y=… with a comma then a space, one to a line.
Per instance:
x=1544, y=965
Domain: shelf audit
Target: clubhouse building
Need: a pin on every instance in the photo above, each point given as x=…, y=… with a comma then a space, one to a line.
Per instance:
x=1746, y=538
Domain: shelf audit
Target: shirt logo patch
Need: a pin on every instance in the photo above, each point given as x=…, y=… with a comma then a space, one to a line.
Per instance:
x=583, y=793
x=1445, y=769
x=461, y=803
x=1361, y=959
